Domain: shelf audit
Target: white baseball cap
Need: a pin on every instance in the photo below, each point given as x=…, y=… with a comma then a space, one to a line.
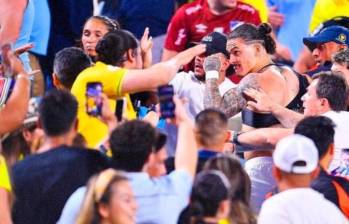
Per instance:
x=296, y=154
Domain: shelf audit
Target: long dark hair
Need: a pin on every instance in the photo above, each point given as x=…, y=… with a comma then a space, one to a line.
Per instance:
x=210, y=188
x=113, y=46
x=240, y=187
x=249, y=32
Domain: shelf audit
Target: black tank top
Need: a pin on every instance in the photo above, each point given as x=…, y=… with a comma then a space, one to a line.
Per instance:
x=260, y=120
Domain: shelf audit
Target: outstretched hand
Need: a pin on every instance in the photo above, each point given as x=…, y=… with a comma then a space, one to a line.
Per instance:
x=146, y=45
x=188, y=55
x=24, y=48
x=260, y=102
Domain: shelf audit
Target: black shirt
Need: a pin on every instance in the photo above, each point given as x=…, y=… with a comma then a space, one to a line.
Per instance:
x=42, y=183
x=324, y=185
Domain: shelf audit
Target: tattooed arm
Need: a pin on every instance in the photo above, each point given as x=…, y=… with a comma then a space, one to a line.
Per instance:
x=233, y=101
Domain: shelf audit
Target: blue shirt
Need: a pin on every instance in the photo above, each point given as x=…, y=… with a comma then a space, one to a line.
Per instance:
x=24, y=35
x=41, y=27
x=297, y=18
x=160, y=200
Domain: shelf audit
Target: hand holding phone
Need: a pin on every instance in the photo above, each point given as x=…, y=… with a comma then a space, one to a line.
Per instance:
x=167, y=106
x=94, y=100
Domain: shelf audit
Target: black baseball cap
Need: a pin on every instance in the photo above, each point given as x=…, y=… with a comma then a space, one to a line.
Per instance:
x=215, y=43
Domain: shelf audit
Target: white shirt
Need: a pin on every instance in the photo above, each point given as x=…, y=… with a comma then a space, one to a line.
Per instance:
x=300, y=206
x=341, y=137
x=186, y=85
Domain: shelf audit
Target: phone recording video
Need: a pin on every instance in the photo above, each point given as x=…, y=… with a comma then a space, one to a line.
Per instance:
x=94, y=101
x=167, y=105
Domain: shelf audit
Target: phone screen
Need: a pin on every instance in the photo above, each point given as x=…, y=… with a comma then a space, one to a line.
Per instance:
x=167, y=105
x=94, y=98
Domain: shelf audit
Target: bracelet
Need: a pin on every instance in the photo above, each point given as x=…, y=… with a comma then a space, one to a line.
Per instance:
x=212, y=75
x=235, y=139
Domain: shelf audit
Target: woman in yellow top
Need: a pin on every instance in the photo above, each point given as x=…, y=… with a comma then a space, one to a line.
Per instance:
x=116, y=51
x=5, y=189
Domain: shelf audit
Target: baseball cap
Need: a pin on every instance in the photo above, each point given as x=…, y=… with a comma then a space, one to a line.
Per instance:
x=296, y=154
x=336, y=34
x=215, y=43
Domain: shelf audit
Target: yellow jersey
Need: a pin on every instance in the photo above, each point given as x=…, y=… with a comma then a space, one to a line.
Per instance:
x=4, y=177
x=261, y=6
x=327, y=9
x=111, y=77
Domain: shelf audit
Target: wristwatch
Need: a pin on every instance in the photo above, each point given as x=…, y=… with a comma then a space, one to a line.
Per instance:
x=235, y=139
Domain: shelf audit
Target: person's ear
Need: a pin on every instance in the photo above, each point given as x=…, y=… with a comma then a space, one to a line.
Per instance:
x=225, y=63
x=150, y=158
x=130, y=55
x=103, y=210
x=315, y=173
x=331, y=149
x=76, y=124
x=343, y=47
x=27, y=135
x=228, y=136
x=39, y=123
x=223, y=209
x=324, y=102
x=56, y=81
x=258, y=49
x=276, y=173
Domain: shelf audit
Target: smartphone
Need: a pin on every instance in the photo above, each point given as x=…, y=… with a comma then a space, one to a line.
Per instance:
x=120, y=109
x=167, y=105
x=94, y=101
x=5, y=60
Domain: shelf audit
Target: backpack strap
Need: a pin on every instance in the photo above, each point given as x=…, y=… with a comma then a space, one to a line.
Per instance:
x=343, y=198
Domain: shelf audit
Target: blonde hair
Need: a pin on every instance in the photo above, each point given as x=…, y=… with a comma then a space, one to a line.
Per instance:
x=98, y=191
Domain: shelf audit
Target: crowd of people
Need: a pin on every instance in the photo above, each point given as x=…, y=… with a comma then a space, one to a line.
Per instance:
x=254, y=129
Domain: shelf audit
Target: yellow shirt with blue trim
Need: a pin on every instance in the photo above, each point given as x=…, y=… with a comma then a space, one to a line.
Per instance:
x=4, y=176
x=327, y=9
x=111, y=77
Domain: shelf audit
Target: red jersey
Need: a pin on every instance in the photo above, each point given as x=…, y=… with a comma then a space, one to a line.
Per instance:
x=195, y=20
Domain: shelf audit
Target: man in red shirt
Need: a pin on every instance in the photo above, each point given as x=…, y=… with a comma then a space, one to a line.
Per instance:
x=195, y=20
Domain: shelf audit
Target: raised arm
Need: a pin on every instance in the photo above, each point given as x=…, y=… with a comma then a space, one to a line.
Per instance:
x=261, y=139
x=233, y=101
x=11, y=16
x=158, y=74
x=13, y=113
x=186, y=152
